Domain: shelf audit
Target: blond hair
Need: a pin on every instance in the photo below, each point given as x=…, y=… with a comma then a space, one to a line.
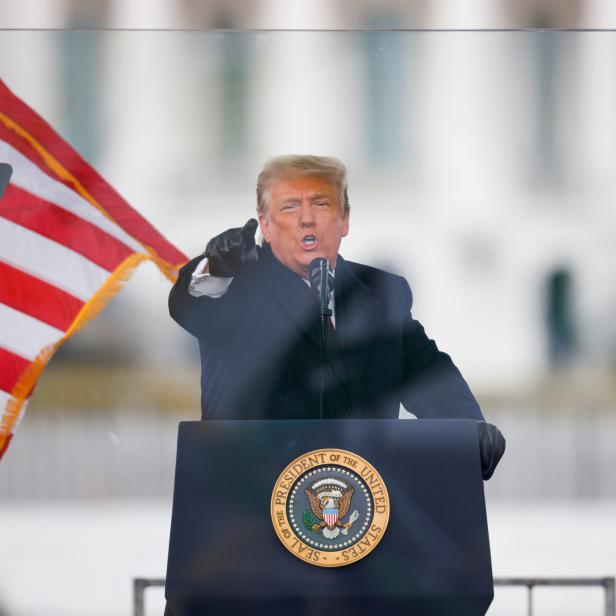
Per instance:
x=326, y=167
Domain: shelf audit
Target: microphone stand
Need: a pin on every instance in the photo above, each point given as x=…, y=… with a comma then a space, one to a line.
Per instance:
x=325, y=314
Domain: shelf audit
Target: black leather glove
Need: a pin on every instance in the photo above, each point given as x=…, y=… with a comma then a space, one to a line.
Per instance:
x=233, y=251
x=491, y=447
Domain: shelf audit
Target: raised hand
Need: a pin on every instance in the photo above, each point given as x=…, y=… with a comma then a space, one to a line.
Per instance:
x=233, y=251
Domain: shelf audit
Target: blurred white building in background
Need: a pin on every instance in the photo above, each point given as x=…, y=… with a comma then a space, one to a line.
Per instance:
x=481, y=164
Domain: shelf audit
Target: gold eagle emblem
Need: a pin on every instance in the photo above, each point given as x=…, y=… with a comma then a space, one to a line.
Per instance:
x=330, y=501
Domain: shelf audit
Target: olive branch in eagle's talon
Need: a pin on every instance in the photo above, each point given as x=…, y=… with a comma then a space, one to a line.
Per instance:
x=310, y=522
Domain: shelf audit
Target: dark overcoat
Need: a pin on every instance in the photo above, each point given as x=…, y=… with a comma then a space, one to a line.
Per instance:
x=260, y=353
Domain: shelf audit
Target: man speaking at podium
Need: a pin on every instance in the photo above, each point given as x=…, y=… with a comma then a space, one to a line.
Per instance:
x=257, y=318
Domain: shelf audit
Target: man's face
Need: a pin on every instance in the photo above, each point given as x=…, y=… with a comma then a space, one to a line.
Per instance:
x=303, y=220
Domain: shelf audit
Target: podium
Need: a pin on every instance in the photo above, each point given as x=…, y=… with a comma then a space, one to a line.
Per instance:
x=226, y=556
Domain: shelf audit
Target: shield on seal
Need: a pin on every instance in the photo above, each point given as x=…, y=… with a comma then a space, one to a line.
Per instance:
x=330, y=516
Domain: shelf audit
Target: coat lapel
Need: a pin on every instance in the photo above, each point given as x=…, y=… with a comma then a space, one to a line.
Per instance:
x=297, y=299
x=356, y=314
x=292, y=293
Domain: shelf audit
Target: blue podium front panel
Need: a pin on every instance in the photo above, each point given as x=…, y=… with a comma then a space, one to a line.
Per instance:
x=225, y=556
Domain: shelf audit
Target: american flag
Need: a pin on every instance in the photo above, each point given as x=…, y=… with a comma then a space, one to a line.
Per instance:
x=67, y=242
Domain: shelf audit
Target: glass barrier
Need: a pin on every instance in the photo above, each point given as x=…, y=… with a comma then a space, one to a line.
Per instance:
x=480, y=167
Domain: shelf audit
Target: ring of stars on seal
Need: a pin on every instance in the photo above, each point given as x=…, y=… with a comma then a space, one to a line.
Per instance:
x=330, y=507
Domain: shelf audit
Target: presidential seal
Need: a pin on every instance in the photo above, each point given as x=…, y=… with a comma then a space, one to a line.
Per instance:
x=330, y=507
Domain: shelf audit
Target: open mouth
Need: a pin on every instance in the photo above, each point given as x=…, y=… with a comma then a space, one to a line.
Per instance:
x=309, y=241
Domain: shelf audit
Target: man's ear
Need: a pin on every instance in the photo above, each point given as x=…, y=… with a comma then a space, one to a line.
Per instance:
x=263, y=225
x=345, y=225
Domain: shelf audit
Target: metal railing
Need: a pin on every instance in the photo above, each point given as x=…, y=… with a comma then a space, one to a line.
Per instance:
x=139, y=587
x=608, y=583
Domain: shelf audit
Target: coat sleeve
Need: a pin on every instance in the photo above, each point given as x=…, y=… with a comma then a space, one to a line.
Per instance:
x=208, y=319
x=433, y=386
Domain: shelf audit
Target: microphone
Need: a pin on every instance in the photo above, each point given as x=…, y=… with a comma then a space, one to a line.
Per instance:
x=322, y=283
x=321, y=279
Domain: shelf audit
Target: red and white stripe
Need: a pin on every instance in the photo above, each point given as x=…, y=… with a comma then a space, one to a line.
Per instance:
x=65, y=237
x=330, y=519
